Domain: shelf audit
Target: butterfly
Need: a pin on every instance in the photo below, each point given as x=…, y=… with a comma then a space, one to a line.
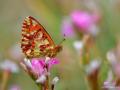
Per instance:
x=35, y=41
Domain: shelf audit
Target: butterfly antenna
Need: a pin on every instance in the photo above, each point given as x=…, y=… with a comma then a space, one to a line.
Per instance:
x=62, y=40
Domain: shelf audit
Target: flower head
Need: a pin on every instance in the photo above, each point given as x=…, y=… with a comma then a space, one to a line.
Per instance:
x=85, y=21
x=93, y=66
x=40, y=66
x=55, y=80
x=9, y=66
x=78, y=45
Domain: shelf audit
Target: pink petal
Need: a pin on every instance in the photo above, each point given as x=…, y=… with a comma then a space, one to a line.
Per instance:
x=37, y=66
x=52, y=62
x=82, y=19
x=67, y=28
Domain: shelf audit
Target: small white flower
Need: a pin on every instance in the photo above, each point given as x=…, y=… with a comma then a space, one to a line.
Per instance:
x=41, y=79
x=27, y=62
x=9, y=65
x=111, y=57
x=94, y=65
x=78, y=45
x=55, y=80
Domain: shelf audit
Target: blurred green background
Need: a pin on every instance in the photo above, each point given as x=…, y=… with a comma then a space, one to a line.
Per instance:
x=50, y=14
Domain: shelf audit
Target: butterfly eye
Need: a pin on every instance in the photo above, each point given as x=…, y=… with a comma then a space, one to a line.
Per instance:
x=58, y=48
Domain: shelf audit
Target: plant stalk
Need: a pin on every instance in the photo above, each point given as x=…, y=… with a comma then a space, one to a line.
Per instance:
x=5, y=77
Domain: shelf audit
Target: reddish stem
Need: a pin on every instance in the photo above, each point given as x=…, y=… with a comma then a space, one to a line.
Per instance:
x=5, y=78
x=46, y=84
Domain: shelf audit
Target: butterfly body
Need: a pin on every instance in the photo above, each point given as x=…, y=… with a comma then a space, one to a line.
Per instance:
x=36, y=42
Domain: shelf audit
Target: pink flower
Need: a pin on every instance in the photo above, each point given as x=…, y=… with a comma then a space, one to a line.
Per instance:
x=38, y=66
x=84, y=20
x=67, y=28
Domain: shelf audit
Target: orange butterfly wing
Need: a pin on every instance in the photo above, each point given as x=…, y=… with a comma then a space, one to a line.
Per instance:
x=35, y=39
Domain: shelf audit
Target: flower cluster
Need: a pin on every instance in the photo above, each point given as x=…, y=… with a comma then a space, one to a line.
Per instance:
x=85, y=22
x=39, y=70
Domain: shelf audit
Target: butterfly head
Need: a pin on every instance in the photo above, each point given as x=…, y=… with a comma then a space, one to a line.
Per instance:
x=58, y=48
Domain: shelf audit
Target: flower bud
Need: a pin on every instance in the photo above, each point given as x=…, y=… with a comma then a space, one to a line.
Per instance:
x=41, y=79
x=55, y=80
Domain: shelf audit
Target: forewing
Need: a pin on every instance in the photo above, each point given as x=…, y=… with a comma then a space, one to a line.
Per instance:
x=35, y=38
